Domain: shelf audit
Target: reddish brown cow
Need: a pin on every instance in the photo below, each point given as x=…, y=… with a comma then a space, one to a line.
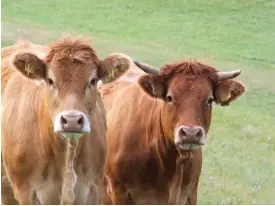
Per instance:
x=54, y=122
x=156, y=129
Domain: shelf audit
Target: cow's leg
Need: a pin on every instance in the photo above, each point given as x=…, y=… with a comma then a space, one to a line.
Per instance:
x=7, y=192
x=94, y=195
x=120, y=196
x=106, y=196
x=17, y=192
x=106, y=199
x=95, y=192
x=7, y=196
x=192, y=198
x=25, y=195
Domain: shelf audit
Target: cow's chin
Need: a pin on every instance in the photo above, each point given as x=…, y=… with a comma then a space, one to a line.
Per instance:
x=188, y=147
x=72, y=135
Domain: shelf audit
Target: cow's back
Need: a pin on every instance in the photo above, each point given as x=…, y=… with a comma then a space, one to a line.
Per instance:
x=113, y=90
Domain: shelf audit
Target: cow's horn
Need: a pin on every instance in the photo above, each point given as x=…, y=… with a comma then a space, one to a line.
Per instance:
x=228, y=75
x=147, y=69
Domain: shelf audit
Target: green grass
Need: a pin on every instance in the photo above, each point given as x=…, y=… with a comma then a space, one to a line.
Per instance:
x=240, y=154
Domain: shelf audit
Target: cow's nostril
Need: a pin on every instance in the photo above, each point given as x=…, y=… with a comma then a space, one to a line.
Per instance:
x=80, y=121
x=63, y=120
x=199, y=133
x=182, y=133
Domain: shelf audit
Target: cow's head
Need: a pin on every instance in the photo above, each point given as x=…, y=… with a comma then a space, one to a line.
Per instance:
x=70, y=72
x=188, y=90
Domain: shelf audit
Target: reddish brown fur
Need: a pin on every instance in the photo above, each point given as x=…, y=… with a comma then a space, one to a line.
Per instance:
x=41, y=162
x=141, y=156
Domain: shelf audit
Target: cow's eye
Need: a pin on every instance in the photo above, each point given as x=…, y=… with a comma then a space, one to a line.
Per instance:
x=210, y=101
x=169, y=99
x=50, y=82
x=93, y=81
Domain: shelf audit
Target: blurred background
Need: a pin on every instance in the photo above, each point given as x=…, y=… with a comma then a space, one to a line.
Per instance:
x=239, y=159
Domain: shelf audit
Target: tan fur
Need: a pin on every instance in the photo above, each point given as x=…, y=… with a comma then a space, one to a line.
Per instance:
x=143, y=165
x=41, y=166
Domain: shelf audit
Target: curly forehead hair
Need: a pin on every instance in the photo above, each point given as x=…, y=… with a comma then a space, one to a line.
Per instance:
x=189, y=68
x=74, y=49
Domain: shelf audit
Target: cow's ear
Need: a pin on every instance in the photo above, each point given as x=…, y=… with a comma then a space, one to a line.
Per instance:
x=30, y=65
x=228, y=91
x=113, y=67
x=152, y=85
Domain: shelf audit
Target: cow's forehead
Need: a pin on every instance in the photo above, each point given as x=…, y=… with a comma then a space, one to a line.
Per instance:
x=183, y=83
x=68, y=69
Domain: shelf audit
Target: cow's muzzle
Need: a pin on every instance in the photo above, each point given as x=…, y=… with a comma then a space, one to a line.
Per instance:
x=72, y=124
x=189, y=137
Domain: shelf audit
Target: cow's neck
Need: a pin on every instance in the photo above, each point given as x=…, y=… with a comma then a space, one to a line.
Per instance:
x=167, y=142
x=161, y=147
x=69, y=175
x=61, y=150
x=174, y=162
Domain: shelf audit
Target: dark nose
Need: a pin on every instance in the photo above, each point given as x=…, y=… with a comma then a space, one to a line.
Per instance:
x=191, y=135
x=72, y=123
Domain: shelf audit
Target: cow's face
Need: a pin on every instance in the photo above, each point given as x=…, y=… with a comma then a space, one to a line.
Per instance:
x=187, y=110
x=188, y=91
x=70, y=74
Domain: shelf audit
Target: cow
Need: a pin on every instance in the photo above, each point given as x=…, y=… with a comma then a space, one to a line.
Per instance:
x=54, y=121
x=158, y=120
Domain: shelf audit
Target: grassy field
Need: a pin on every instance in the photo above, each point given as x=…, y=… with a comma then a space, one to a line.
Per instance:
x=239, y=159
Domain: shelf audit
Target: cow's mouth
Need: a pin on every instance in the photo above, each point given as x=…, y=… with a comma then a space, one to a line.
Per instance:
x=188, y=146
x=72, y=135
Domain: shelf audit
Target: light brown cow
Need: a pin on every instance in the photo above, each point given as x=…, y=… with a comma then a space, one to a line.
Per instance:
x=54, y=122
x=156, y=129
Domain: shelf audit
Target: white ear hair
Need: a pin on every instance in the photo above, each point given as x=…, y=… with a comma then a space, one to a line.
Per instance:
x=41, y=55
x=39, y=82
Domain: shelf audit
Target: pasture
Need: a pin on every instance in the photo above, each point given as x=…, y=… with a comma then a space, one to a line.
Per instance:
x=239, y=157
